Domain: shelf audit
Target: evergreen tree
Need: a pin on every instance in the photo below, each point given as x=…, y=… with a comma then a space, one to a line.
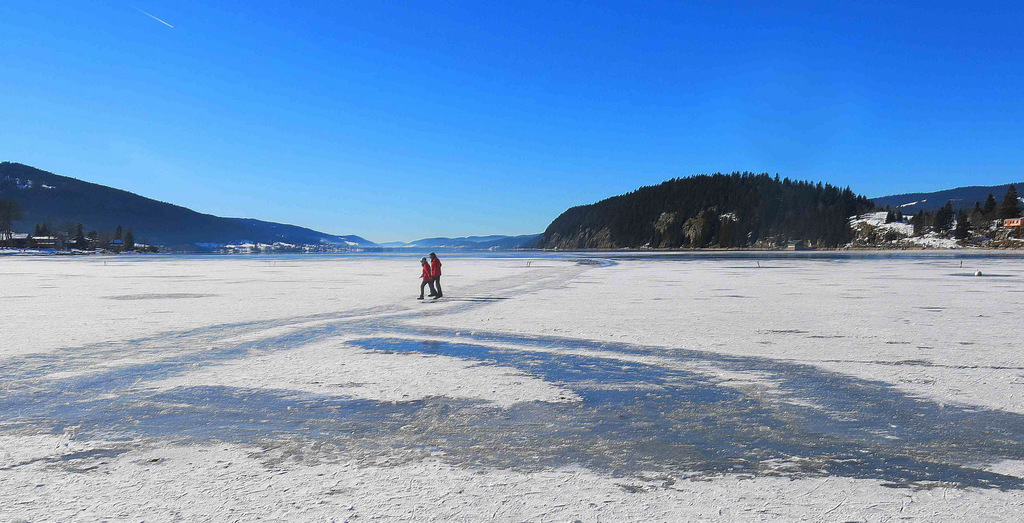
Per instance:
x=10, y=212
x=129, y=240
x=963, y=229
x=80, y=242
x=944, y=217
x=890, y=217
x=1010, y=207
x=899, y=216
x=978, y=215
x=990, y=207
x=920, y=223
x=118, y=232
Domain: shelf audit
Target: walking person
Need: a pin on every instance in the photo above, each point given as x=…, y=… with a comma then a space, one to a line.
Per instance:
x=435, y=269
x=426, y=278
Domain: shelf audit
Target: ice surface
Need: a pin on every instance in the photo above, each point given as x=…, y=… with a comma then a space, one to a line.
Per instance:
x=344, y=370
x=58, y=302
x=655, y=388
x=925, y=325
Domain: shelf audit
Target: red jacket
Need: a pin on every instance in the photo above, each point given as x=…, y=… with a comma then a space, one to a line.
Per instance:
x=435, y=267
x=427, y=276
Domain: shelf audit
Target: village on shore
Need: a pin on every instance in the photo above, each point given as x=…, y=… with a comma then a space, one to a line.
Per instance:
x=73, y=240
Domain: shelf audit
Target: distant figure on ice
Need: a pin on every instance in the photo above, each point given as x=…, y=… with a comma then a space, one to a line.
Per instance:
x=435, y=269
x=427, y=278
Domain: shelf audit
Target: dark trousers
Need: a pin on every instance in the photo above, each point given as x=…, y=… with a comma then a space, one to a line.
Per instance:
x=437, y=285
x=424, y=284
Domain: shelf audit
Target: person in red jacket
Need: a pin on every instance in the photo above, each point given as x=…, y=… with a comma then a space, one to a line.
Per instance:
x=426, y=278
x=435, y=269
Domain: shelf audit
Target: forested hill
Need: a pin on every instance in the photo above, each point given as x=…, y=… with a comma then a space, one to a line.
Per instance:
x=962, y=198
x=718, y=210
x=47, y=198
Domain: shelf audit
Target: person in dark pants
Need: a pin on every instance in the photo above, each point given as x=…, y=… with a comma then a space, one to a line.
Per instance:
x=435, y=269
x=426, y=278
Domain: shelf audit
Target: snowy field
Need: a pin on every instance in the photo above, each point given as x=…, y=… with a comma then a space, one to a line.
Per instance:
x=548, y=388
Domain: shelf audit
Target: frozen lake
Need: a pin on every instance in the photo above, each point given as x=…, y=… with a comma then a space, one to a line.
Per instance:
x=611, y=386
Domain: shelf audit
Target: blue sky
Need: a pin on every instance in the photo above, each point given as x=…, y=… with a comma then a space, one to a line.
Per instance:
x=402, y=121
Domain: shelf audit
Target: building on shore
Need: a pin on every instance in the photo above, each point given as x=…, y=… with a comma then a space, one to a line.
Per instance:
x=18, y=240
x=44, y=242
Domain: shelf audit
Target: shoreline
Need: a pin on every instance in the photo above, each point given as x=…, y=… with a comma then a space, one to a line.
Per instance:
x=9, y=252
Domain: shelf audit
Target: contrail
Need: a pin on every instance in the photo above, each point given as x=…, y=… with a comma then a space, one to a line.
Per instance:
x=153, y=17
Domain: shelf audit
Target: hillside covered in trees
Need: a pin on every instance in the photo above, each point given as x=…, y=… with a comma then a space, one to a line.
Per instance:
x=61, y=203
x=961, y=198
x=718, y=210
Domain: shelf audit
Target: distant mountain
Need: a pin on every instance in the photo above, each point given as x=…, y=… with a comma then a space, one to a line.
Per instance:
x=50, y=198
x=525, y=241
x=962, y=198
x=719, y=210
x=477, y=243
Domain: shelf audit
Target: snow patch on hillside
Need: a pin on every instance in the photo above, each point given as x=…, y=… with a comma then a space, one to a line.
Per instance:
x=912, y=203
x=877, y=219
x=871, y=227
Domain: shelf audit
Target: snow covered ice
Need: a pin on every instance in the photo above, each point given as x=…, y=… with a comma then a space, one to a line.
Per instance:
x=615, y=388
